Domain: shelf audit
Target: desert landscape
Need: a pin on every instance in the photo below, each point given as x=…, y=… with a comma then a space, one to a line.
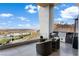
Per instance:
x=16, y=35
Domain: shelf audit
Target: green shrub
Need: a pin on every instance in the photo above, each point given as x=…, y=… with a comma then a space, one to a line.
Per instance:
x=4, y=40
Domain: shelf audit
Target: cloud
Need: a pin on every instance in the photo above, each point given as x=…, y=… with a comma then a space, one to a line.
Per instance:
x=25, y=25
x=3, y=23
x=64, y=5
x=29, y=26
x=31, y=9
x=56, y=20
x=56, y=7
x=36, y=27
x=9, y=21
x=59, y=19
x=32, y=26
x=20, y=25
x=23, y=18
x=71, y=12
x=6, y=15
x=38, y=7
x=63, y=21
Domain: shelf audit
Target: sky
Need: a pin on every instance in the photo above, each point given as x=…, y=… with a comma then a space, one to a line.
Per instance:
x=25, y=15
x=19, y=15
x=65, y=13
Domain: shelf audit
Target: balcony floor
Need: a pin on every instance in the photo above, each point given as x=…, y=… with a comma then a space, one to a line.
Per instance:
x=30, y=50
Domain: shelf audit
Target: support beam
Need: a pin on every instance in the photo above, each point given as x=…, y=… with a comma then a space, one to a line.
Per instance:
x=46, y=19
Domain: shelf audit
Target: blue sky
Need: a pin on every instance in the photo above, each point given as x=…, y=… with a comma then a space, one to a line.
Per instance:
x=25, y=15
x=65, y=13
x=18, y=15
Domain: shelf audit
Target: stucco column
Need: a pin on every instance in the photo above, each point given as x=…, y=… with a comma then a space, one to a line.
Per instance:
x=51, y=19
x=45, y=18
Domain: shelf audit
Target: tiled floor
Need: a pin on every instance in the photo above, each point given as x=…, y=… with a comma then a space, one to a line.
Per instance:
x=30, y=50
x=65, y=50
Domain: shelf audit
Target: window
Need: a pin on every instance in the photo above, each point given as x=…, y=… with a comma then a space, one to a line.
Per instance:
x=18, y=22
x=64, y=16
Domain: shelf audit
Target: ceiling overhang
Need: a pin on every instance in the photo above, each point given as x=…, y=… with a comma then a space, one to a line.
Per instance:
x=46, y=4
x=77, y=4
x=51, y=4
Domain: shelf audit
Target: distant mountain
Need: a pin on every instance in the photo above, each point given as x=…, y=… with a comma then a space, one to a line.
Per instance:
x=14, y=29
x=64, y=27
x=8, y=31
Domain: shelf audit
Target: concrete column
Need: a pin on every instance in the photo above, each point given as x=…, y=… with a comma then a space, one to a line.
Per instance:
x=51, y=19
x=45, y=18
